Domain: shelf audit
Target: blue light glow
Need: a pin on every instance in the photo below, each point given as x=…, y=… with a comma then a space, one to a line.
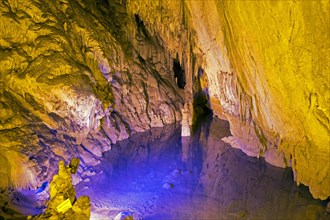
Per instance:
x=159, y=175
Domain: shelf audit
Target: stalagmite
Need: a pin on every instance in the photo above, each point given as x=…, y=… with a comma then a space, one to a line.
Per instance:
x=185, y=121
x=63, y=203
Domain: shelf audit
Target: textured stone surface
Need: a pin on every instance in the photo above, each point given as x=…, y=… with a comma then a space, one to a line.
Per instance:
x=279, y=55
x=267, y=69
x=75, y=78
x=78, y=76
x=63, y=192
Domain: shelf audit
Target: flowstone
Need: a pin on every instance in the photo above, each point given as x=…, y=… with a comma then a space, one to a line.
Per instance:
x=63, y=203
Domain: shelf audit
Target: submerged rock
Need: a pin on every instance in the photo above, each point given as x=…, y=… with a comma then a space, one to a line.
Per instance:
x=124, y=216
x=168, y=185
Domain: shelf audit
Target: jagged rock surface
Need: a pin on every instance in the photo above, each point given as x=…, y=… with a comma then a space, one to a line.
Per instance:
x=61, y=190
x=75, y=78
x=267, y=73
x=74, y=72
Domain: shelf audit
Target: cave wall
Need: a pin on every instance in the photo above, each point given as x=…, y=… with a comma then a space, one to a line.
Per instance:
x=267, y=73
x=77, y=76
x=280, y=54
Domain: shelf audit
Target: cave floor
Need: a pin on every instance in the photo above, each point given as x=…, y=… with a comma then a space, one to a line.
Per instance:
x=159, y=175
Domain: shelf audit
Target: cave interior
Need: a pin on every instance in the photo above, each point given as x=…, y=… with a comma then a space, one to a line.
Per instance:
x=134, y=109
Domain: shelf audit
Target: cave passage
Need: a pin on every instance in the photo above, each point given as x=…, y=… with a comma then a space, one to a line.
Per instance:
x=160, y=175
x=201, y=101
x=179, y=73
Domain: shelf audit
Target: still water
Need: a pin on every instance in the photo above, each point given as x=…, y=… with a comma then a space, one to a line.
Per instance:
x=160, y=175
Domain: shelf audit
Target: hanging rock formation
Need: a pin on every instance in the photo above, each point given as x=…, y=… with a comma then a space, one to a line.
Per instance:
x=78, y=76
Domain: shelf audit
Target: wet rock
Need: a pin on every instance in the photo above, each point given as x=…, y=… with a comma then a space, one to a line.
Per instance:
x=176, y=172
x=124, y=216
x=168, y=185
x=87, y=179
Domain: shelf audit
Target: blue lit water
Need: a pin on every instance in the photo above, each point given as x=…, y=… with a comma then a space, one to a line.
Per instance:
x=159, y=175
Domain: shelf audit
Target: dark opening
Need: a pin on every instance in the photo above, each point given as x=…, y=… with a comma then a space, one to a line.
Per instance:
x=141, y=26
x=201, y=103
x=179, y=73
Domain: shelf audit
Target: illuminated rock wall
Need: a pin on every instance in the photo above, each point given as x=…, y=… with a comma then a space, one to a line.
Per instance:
x=279, y=52
x=267, y=64
x=77, y=76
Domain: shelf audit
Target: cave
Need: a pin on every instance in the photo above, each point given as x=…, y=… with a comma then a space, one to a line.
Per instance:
x=115, y=109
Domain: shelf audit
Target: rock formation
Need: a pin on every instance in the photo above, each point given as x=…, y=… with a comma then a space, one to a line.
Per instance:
x=267, y=72
x=185, y=123
x=77, y=76
x=63, y=203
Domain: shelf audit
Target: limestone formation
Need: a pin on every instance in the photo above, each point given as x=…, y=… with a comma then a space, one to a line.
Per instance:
x=185, y=131
x=77, y=76
x=268, y=74
x=63, y=203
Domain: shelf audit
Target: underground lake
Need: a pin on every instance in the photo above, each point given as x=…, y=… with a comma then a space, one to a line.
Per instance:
x=160, y=175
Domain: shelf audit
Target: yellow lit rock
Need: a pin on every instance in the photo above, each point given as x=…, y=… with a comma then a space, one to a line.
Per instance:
x=282, y=64
x=279, y=52
x=71, y=82
x=63, y=203
x=267, y=64
x=71, y=70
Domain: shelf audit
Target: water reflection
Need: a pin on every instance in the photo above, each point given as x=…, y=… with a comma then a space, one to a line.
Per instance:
x=159, y=175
